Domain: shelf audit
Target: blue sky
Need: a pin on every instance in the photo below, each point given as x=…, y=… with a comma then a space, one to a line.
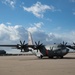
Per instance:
x=47, y=20
x=62, y=15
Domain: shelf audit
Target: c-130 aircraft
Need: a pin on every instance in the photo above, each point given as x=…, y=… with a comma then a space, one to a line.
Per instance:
x=40, y=50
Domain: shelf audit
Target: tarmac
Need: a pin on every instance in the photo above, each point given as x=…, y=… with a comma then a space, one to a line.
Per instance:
x=31, y=65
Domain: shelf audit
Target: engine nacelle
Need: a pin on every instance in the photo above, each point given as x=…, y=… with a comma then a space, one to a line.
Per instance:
x=26, y=50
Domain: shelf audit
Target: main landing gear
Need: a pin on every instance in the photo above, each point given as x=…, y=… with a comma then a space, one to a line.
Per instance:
x=57, y=57
x=40, y=57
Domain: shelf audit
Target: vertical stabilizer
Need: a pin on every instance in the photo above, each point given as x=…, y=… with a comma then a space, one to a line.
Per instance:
x=30, y=40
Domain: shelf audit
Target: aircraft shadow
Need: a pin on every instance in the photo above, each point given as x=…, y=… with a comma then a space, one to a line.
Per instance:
x=69, y=58
x=60, y=58
x=29, y=59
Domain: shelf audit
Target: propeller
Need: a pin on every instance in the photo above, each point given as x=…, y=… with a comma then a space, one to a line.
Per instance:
x=62, y=44
x=73, y=46
x=22, y=45
x=70, y=46
x=73, y=43
x=51, y=48
x=38, y=45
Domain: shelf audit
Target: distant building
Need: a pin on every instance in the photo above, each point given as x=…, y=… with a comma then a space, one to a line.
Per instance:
x=2, y=52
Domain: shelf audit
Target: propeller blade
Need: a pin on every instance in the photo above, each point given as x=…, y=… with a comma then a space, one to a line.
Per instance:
x=41, y=44
x=23, y=42
x=63, y=42
x=66, y=43
x=52, y=48
x=35, y=43
x=26, y=44
x=20, y=42
x=73, y=43
x=54, y=43
x=38, y=42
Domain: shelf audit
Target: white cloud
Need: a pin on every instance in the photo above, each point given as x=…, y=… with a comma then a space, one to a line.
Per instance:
x=9, y=34
x=73, y=13
x=8, y=31
x=72, y=0
x=8, y=23
x=39, y=34
x=38, y=25
x=48, y=19
x=57, y=28
x=13, y=34
x=59, y=38
x=32, y=29
x=9, y=2
x=38, y=9
x=35, y=27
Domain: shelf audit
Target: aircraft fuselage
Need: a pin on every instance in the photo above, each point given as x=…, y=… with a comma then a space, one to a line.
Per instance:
x=54, y=52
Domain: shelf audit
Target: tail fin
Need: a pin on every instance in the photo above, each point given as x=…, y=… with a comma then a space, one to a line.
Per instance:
x=30, y=40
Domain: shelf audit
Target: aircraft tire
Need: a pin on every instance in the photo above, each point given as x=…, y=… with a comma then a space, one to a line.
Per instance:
x=41, y=57
x=61, y=57
x=50, y=57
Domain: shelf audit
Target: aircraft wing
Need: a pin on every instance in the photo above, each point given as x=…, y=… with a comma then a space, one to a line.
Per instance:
x=12, y=46
x=23, y=48
x=8, y=45
x=71, y=47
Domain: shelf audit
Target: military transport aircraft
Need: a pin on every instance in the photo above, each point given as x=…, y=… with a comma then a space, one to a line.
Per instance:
x=40, y=50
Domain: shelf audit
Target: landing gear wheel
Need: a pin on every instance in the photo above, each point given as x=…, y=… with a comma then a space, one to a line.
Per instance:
x=50, y=57
x=61, y=57
x=40, y=57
